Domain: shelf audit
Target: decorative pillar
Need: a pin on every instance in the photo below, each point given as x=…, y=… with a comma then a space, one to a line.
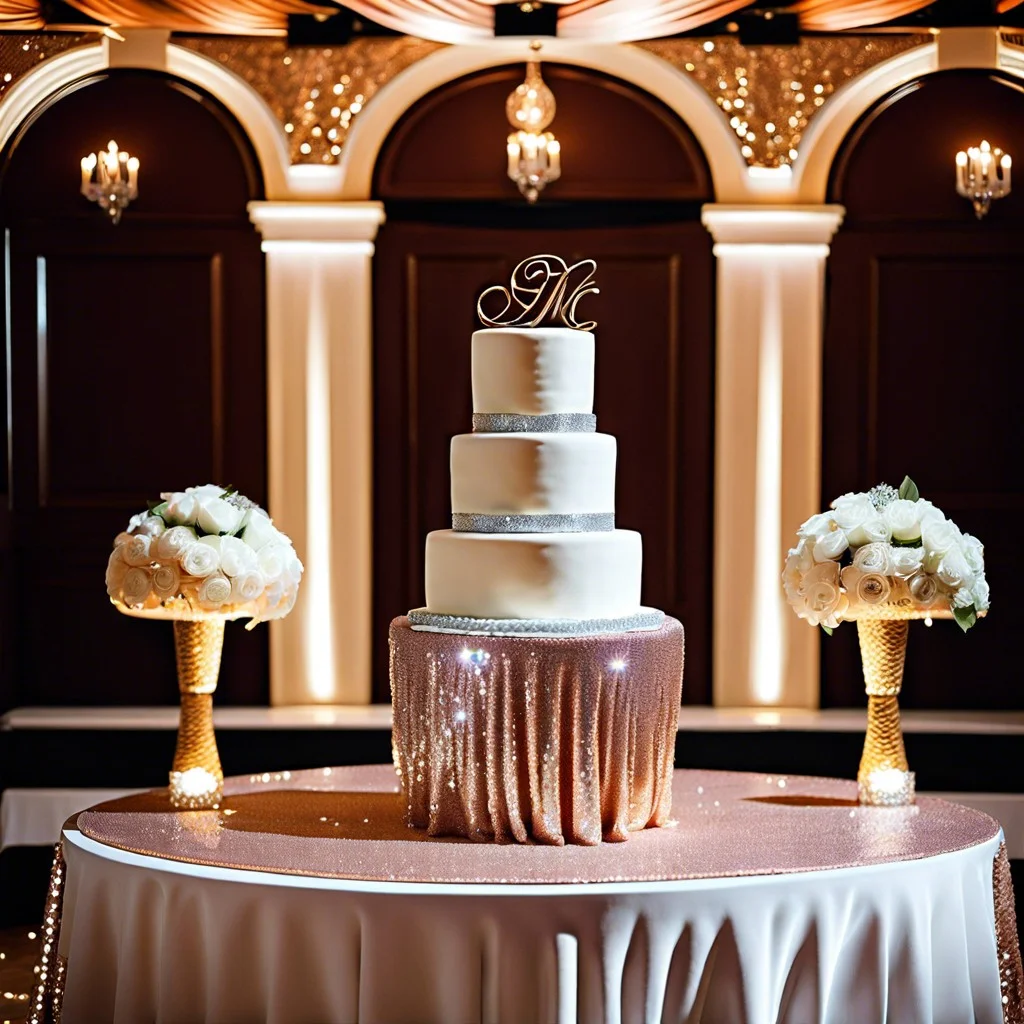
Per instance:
x=771, y=263
x=320, y=440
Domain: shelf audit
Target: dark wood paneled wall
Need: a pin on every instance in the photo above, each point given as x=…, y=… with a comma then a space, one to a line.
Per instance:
x=923, y=365
x=654, y=337
x=136, y=364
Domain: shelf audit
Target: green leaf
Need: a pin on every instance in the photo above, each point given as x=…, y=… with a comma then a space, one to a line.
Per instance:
x=229, y=490
x=966, y=617
x=897, y=543
x=157, y=508
x=908, y=490
x=827, y=629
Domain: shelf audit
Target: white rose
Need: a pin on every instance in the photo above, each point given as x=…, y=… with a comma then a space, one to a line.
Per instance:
x=820, y=523
x=903, y=518
x=906, y=561
x=215, y=590
x=799, y=561
x=217, y=516
x=830, y=545
x=874, y=531
x=181, y=508
x=273, y=558
x=200, y=559
x=136, y=551
x=117, y=569
x=293, y=568
x=924, y=588
x=248, y=586
x=136, y=587
x=974, y=552
x=953, y=570
x=874, y=558
x=821, y=594
x=206, y=490
x=866, y=588
x=259, y=530
x=174, y=542
x=872, y=588
x=166, y=581
x=146, y=523
x=938, y=535
x=852, y=511
x=980, y=593
x=236, y=557
x=963, y=598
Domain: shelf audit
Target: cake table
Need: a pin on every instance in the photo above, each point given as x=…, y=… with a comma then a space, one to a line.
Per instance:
x=306, y=898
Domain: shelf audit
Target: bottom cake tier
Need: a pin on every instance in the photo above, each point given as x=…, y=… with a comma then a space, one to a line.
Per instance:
x=551, y=739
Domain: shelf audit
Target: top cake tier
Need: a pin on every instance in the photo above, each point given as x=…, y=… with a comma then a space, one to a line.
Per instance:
x=533, y=371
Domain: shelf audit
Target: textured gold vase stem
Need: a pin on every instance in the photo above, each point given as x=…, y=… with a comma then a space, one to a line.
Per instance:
x=198, y=648
x=883, y=647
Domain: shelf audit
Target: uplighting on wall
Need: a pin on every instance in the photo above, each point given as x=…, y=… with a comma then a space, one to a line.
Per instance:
x=983, y=174
x=110, y=177
x=534, y=155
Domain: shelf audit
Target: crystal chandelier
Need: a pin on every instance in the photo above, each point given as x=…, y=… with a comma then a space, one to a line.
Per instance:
x=534, y=155
x=110, y=178
x=983, y=174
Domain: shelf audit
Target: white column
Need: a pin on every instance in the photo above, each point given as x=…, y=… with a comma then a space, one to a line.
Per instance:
x=770, y=294
x=320, y=440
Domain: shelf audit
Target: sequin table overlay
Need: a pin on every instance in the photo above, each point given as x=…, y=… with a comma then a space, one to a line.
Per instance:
x=764, y=899
x=555, y=739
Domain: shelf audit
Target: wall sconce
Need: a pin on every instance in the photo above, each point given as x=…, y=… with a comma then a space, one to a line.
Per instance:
x=110, y=178
x=983, y=174
x=534, y=155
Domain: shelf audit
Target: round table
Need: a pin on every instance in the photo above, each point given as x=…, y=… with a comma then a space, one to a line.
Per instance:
x=305, y=898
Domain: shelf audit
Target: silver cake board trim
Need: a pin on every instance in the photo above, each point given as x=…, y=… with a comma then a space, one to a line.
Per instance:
x=548, y=423
x=545, y=522
x=645, y=619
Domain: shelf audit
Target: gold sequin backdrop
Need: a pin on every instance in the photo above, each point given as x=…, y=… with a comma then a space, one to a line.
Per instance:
x=767, y=94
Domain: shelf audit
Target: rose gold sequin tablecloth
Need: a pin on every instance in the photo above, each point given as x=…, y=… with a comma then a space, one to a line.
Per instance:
x=305, y=898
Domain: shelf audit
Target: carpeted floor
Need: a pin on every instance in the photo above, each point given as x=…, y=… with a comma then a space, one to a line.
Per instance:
x=18, y=950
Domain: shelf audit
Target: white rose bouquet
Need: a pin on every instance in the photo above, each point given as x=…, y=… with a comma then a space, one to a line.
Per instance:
x=202, y=552
x=881, y=552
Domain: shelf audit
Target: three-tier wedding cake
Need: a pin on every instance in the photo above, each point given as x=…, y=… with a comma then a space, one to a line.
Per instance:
x=534, y=697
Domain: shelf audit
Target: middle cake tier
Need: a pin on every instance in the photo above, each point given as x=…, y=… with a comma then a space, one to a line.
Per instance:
x=534, y=575
x=533, y=473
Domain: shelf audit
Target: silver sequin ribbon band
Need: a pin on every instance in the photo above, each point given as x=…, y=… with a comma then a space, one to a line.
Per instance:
x=429, y=622
x=550, y=423
x=570, y=522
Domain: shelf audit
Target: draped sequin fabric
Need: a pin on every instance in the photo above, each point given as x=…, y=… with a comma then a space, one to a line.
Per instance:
x=555, y=739
x=1011, y=972
x=51, y=968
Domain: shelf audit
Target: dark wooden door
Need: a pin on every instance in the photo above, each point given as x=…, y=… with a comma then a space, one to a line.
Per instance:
x=135, y=365
x=653, y=391
x=922, y=366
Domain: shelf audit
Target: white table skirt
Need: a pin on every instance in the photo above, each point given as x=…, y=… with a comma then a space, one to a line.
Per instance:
x=148, y=939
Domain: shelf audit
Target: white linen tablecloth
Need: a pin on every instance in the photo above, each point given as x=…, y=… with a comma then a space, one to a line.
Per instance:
x=147, y=938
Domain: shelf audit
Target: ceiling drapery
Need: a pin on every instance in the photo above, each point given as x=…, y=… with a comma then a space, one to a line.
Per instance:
x=461, y=21
x=20, y=15
x=838, y=15
x=236, y=17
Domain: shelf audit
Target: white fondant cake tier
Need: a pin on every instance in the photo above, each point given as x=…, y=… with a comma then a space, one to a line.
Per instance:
x=496, y=474
x=534, y=575
x=533, y=371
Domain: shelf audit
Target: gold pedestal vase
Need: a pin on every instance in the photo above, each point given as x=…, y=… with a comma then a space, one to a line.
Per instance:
x=197, y=780
x=884, y=778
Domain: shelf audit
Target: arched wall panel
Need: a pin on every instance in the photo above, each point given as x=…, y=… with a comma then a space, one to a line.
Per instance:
x=921, y=362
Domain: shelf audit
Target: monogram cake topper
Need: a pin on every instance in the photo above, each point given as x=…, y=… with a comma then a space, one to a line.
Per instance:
x=547, y=290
